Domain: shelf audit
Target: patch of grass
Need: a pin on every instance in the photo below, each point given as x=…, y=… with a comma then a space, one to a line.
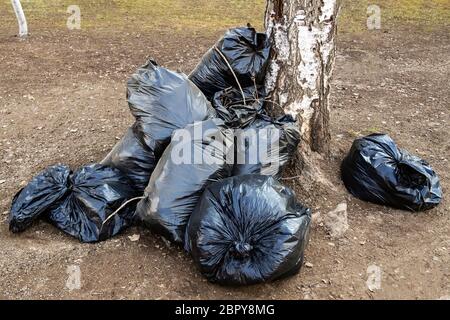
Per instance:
x=354, y=134
x=420, y=14
x=205, y=16
x=372, y=130
x=209, y=16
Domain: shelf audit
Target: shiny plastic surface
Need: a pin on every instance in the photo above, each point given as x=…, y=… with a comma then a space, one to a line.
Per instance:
x=277, y=142
x=175, y=186
x=246, y=230
x=77, y=203
x=38, y=196
x=131, y=156
x=161, y=101
x=376, y=170
x=246, y=51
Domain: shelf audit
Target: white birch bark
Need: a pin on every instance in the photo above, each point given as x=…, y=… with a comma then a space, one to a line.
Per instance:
x=303, y=39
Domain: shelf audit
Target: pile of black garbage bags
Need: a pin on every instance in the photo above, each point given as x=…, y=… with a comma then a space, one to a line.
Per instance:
x=188, y=169
x=201, y=164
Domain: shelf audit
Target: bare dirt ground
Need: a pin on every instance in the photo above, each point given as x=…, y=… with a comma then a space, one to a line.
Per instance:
x=62, y=99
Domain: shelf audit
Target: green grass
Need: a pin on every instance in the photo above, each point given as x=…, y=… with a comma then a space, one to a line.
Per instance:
x=419, y=14
x=204, y=16
x=208, y=16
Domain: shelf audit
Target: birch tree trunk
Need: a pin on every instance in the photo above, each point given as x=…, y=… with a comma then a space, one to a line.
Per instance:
x=23, y=28
x=302, y=59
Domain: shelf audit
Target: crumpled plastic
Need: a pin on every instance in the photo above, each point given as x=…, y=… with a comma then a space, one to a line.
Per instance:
x=231, y=107
x=191, y=162
x=246, y=230
x=376, y=170
x=77, y=203
x=245, y=50
x=161, y=101
x=266, y=146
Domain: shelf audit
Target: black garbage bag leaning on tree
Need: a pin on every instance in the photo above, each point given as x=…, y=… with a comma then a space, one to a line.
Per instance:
x=161, y=101
x=246, y=230
x=376, y=170
x=244, y=50
x=266, y=146
x=78, y=203
x=263, y=145
x=239, y=108
x=196, y=157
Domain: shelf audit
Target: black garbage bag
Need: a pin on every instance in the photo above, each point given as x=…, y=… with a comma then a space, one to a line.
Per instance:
x=44, y=190
x=188, y=165
x=161, y=101
x=231, y=107
x=248, y=229
x=246, y=51
x=376, y=170
x=266, y=146
x=80, y=202
x=263, y=145
x=132, y=156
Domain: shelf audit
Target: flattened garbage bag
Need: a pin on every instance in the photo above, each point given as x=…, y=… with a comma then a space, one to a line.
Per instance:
x=376, y=170
x=77, y=203
x=229, y=105
x=246, y=51
x=161, y=101
x=196, y=156
x=266, y=146
x=248, y=229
